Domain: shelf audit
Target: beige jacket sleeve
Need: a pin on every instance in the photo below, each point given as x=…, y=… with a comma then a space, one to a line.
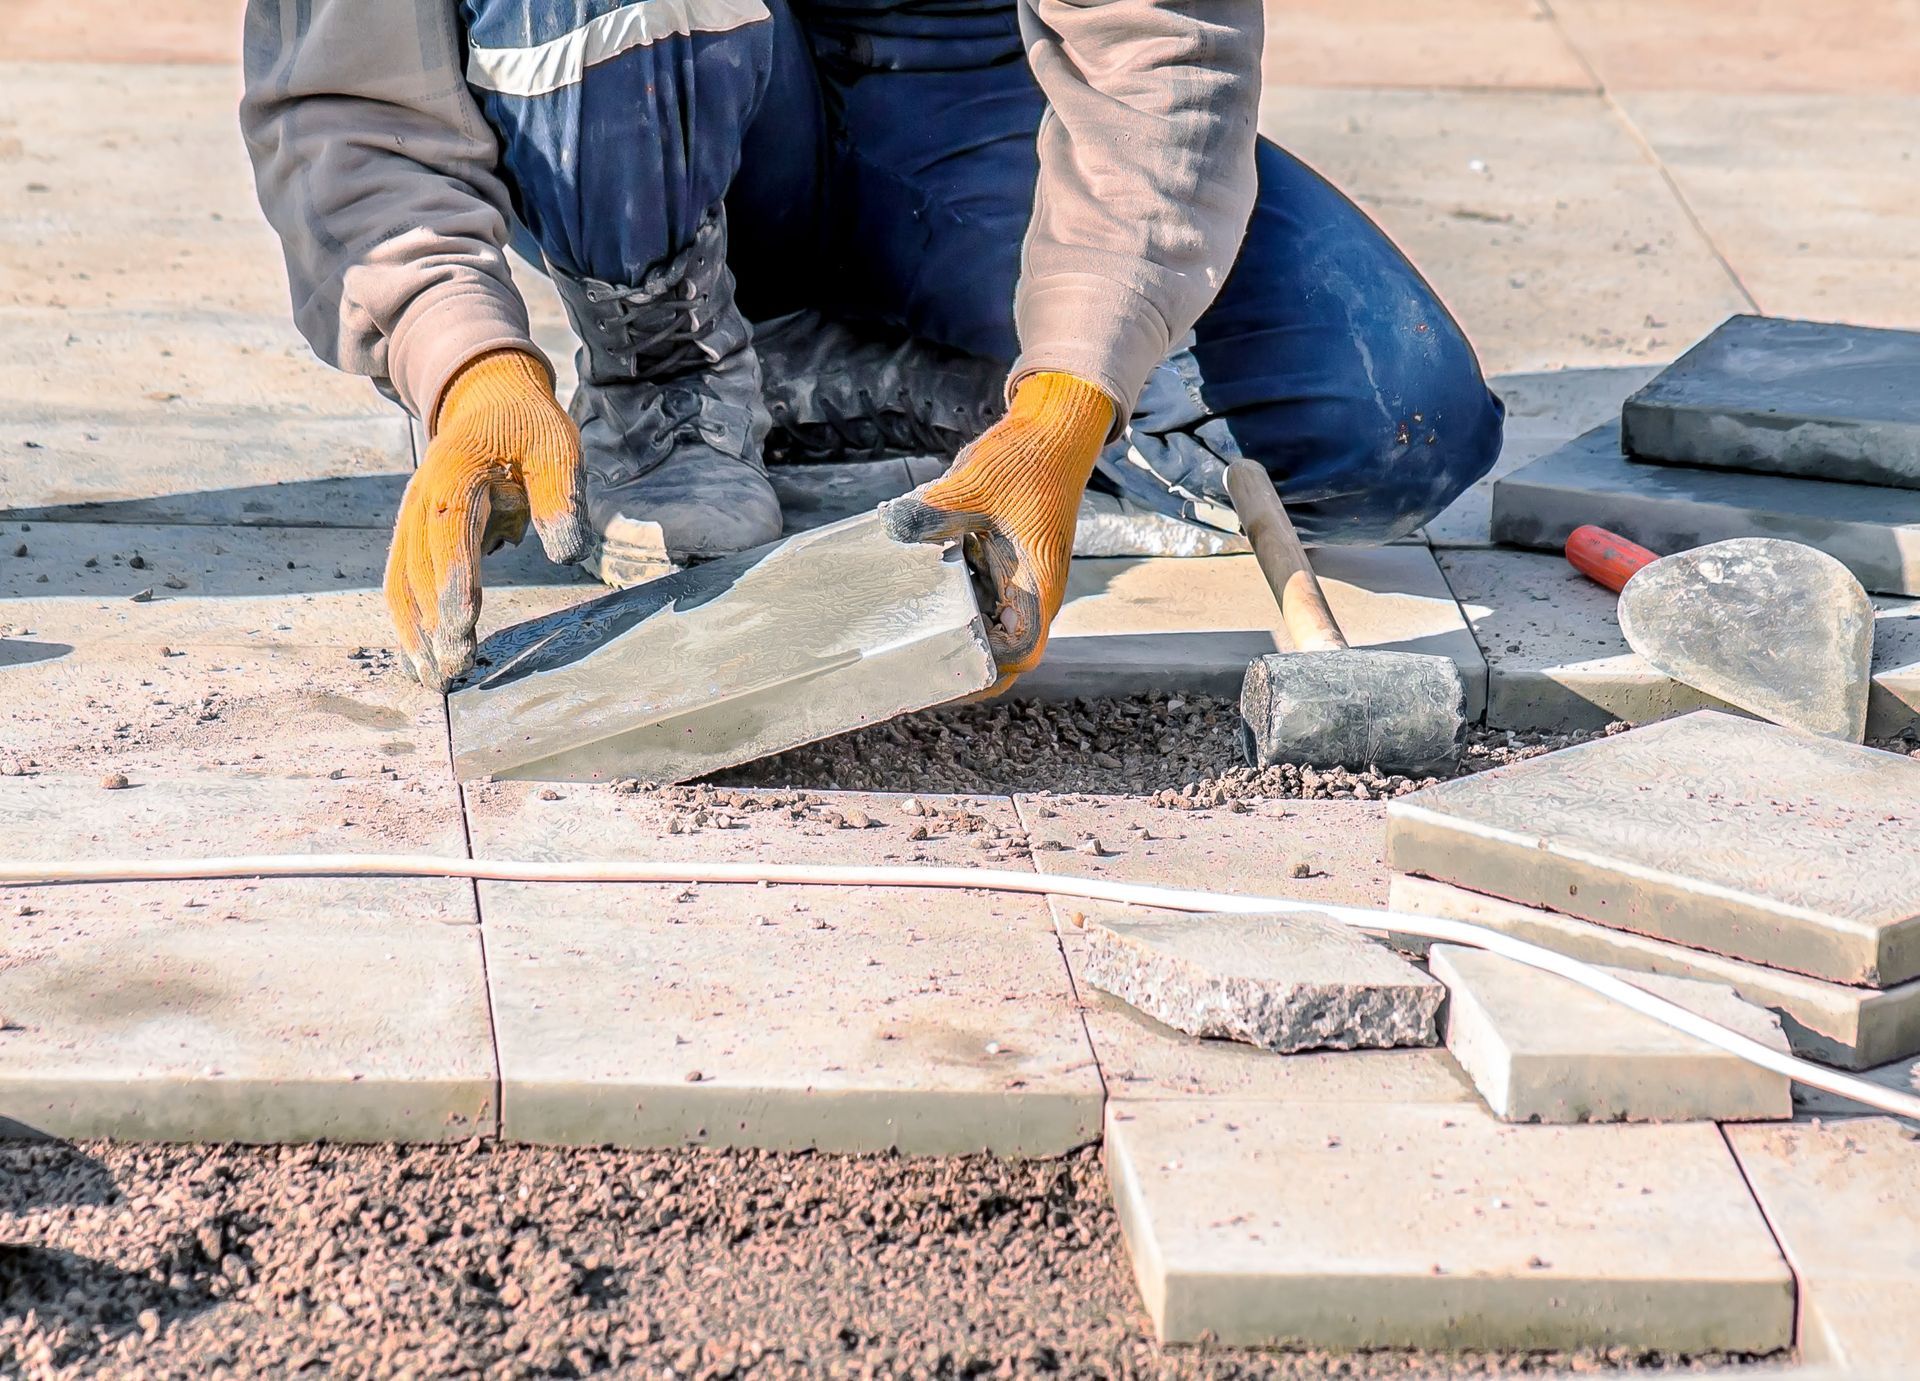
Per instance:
x=1146, y=179
x=374, y=164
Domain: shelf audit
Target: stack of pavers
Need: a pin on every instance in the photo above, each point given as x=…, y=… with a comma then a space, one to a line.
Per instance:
x=1797, y=429
x=1707, y=847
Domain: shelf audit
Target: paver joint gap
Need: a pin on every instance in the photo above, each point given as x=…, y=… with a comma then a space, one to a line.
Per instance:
x=1779, y=1242
x=1073, y=984
x=480, y=929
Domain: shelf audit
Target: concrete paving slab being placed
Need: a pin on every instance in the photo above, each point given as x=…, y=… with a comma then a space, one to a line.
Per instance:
x=336, y=1008
x=1131, y=626
x=1366, y=1226
x=1810, y=398
x=1544, y=1049
x=825, y=632
x=1286, y=983
x=856, y=1019
x=1711, y=831
x=1850, y=1027
x=1844, y=1200
x=1874, y=530
x=1556, y=659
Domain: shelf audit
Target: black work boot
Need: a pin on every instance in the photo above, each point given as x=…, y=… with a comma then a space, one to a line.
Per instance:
x=837, y=393
x=671, y=417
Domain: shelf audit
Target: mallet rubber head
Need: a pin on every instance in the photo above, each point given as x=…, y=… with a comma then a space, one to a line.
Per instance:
x=1403, y=712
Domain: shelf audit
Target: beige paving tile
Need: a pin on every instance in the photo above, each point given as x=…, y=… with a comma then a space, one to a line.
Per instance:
x=1844, y=1200
x=171, y=31
x=1539, y=218
x=1364, y=1225
x=275, y=712
x=1132, y=625
x=1742, y=160
x=1734, y=46
x=1494, y=43
x=236, y=586
x=336, y=1008
x=841, y=1019
x=1853, y=1028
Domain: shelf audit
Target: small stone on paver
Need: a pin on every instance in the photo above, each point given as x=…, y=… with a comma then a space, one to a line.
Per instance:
x=1288, y=983
x=1849, y=1027
x=1812, y=398
x=1542, y=1048
x=1873, y=530
x=1844, y=1200
x=1351, y=1225
x=1712, y=831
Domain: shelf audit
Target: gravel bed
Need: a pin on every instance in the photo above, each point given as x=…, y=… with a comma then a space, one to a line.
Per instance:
x=490, y=1260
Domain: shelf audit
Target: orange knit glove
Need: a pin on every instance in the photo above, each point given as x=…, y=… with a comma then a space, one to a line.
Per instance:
x=502, y=452
x=1014, y=494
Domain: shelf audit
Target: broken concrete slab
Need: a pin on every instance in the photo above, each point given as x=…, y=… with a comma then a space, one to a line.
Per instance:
x=1556, y=660
x=1779, y=629
x=1367, y=1226
x=1286, y=983
x=1873, y=530
x=1772, y=396
x=825, y=632
x=1852, y=1028
x=1712, y=831
x=1169, y=624
x=1541, y=1048
x=843, y=1019
x=1844, y=1200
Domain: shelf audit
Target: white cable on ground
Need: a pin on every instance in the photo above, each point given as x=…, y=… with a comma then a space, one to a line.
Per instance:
x=983, y=879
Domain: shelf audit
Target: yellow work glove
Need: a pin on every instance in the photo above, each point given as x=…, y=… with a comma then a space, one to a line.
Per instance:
x=502, y=452
x=1015, y=492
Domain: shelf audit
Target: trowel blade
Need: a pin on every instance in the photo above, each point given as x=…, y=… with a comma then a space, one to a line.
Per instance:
x=1769, y=626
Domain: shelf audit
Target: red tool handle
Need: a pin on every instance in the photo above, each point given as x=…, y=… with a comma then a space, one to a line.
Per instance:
x=1606, y=557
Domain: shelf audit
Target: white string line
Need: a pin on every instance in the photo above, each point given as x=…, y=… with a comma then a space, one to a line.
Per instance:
x=1440, y=929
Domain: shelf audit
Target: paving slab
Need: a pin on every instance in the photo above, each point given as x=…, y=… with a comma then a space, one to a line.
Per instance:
x=1726, y=47
x=1709, y=830
x=1740, y=160
x=825, y=632
x=339, y=1009
x=1544, y=1049
x=933, y=1023
x=1556, y=659
x=1554, y=238
x=1133, y=626
x=1481, y=43
x=1811, y=1103
x=1366, y=1226
x=1285, y=983
x=1849, y=1027
x=1784, y=397
x=1844, y=1201
x=1874, y=530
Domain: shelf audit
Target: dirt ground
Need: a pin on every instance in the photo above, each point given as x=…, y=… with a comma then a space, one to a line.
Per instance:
x=488, y=1260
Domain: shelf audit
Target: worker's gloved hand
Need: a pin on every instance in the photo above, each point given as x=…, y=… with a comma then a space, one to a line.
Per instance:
x=502, y=452
x=1016, y=492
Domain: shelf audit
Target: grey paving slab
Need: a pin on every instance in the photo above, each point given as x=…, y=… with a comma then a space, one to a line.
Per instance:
x=1366, y=1226
x=1284, y=983
x=733, y=660
x=1785, y=397
x=234, y=586
x=1541, y=1048
x=1481, y=43
x=1850, y=1027
x=276, y=711
x=1709, y=830
x=1549, y=231
x=1131, y=626
x=1873, y=529
x=838, y=1019
x=1556, y=659
x=1740, y=160
x=343, y=1009
x=1844, y=1200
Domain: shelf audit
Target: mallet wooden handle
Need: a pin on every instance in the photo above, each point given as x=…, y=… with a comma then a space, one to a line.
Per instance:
x=1606, y=557
x=1283, y=561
